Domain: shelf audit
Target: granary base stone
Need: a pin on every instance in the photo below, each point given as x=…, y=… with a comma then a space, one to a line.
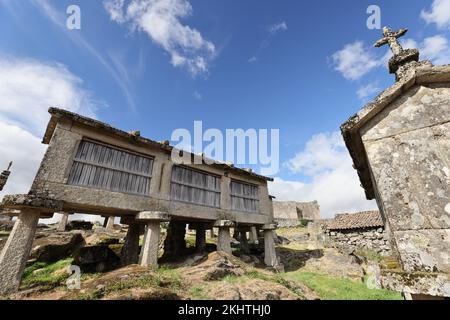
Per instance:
x=16, y=251
x=149, y=257
x=63, y=222
x=224, y=240
x=130, y=250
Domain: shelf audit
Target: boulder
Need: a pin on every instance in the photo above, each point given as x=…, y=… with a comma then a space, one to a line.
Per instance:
x=56, y=246
x=97, y=259
x=79, y=225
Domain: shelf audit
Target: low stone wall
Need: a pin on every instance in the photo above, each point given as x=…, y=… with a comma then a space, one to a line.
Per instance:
x=287, y=223
x=373, y=239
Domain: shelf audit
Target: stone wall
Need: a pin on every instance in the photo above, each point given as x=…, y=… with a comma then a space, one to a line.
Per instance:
x=289, y=213
x=375, y=239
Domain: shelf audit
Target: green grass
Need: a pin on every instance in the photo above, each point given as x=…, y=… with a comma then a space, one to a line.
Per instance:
x=330, y=288
x=198, y=293
x=369, y=254
x=42, y=274
x=303, y=223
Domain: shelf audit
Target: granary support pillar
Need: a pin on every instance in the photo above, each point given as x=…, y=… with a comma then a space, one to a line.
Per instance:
x=110, y=223
x=16, y=251
x=63, y=222
x=150, y=248
x=130, y=250
x=200, y=238
x=224, y=238
x=253, y=235
x=243, y=241
x=270, y=255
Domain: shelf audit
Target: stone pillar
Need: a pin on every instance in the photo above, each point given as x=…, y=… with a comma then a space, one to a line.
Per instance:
x=236, y=234
x=270, y=255
x=200, y=239
x=224, y=239
x=253, y=235
x=243, y=242
x=130, y=250
x=16, y=251
x=149, y=257
x=110, y=223
x=175, y=243
x=63, y=222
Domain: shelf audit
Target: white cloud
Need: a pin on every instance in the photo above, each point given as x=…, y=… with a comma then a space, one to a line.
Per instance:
x=334, y=182
x=198, y=96
x=354, y=60
x=160, y=20
x=367, y=91
x=436, y=49
x=272, y=31
x=113, y=68
x=278, y=27
x=28, y=88
x=438, y=14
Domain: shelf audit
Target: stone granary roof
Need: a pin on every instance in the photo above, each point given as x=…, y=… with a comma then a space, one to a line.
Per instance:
x=422, y=75
x=361, y=220
x=57, y=113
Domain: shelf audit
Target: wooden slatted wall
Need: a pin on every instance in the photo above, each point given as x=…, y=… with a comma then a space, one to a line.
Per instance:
x=104, y=167
x=244, y=197
x=195, y=187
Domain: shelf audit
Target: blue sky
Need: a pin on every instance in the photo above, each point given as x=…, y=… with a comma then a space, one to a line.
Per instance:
x=302, y=67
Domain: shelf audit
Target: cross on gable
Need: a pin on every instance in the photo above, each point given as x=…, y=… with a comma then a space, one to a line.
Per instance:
x=391, y=38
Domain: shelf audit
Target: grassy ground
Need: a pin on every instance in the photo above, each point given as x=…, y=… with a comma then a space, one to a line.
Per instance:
x=48, y=275
x=331, y=288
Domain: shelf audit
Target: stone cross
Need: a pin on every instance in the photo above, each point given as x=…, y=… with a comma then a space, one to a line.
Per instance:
x=391, y=38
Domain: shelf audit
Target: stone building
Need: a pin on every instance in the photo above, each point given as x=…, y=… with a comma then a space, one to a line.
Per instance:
x=400, y=146
x=290, y=213
x=350, y=232
x=93, y=168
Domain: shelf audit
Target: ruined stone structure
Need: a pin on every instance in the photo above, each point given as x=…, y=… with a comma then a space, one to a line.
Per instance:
x=290, y=213
x=400, y=146
x=365, y=230
x=93, y=168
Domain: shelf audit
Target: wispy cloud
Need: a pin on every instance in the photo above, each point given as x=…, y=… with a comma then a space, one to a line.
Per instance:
x=198, y=96
x=272, y=30
x=278, y=27
x=368, y=91
x=438, y=14
x=160, y=20
x=59, y=19
x=355, y=60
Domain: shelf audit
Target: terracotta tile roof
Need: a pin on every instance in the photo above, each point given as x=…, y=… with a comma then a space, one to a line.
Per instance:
x=346, y=221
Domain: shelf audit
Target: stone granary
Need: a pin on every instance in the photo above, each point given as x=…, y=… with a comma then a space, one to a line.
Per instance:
x=351, y=231
x=290, y=213
x=93, y=168
x=400, y=146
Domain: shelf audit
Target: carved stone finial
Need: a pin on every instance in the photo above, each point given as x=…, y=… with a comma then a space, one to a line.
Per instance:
x=391, y=37
x=403, y=60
